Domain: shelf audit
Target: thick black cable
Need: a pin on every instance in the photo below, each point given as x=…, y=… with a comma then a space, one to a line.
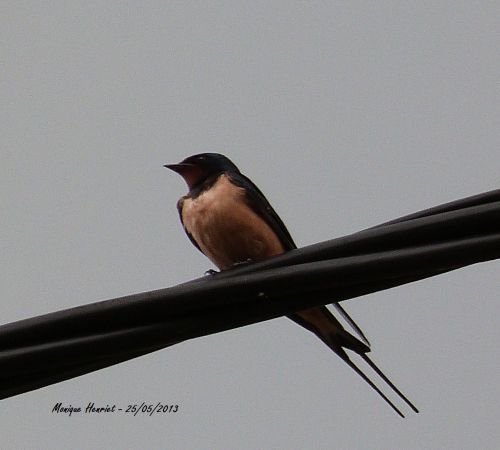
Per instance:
x=47, y=349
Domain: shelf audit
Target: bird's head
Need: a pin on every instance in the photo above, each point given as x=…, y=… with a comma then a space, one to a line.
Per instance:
x=197, y=168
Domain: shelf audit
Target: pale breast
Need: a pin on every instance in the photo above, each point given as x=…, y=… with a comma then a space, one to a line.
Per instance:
x=226, y=228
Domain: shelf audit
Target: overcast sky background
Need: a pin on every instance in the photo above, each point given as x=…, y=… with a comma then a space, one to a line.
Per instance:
x=346, y=114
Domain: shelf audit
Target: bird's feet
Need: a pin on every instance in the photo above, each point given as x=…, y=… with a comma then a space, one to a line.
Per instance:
x=211, y=273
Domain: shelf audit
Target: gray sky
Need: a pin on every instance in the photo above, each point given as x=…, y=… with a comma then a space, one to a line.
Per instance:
x=346, y=114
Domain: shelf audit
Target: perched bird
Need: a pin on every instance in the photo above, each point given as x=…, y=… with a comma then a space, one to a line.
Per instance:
x=230, y=220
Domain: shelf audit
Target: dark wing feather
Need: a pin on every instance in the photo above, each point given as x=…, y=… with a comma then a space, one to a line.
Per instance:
x=351, y=322
x=258, y=202
x=189, y=235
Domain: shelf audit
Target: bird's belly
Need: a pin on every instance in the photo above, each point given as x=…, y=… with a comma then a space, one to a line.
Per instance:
x=228, y=231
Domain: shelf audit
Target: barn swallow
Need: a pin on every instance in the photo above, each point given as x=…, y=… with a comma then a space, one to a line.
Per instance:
x=230, y=221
